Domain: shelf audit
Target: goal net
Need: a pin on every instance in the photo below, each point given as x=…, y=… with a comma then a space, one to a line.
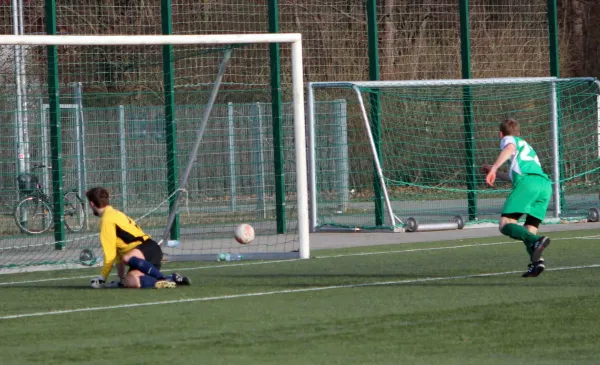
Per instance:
x=184, y=132
x=431, y=139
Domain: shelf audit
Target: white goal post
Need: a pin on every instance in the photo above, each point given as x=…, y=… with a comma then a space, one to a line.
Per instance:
x=295, y=41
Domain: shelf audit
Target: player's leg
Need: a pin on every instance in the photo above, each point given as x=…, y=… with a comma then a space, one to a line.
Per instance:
x=508, y=218
x=519, y=202
x=509, y=227
x=180, y=280
x=146, y=258
x=137, y=279
x=132, y=279
x=535, y=268
x=153, y=254
x=537, y=213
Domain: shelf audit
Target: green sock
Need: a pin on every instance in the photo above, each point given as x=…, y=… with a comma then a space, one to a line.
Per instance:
x=519, y=232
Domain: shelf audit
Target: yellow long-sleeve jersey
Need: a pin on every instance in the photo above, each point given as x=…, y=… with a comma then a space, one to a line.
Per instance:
x=119, y=234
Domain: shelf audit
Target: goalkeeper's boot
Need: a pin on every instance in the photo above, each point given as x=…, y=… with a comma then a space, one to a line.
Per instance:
x=538, y=247
x=165, y=284
x=180, y=280
x=535, y=269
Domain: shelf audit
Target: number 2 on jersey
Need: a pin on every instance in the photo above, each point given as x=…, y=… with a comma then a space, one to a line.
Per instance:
x=524, y=154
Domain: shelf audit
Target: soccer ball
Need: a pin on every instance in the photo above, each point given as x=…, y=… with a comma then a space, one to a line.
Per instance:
x=244, y=233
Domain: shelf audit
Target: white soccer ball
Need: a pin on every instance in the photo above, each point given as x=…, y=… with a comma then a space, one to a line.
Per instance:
x=244, y=233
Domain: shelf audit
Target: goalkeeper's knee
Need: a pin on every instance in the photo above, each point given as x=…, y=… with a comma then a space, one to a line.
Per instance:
x=145, y=267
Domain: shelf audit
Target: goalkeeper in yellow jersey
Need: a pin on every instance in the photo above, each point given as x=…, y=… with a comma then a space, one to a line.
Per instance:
x=124, y=243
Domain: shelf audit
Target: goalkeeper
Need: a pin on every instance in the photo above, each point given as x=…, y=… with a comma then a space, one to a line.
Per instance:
x=124, y=243
x=530, y=195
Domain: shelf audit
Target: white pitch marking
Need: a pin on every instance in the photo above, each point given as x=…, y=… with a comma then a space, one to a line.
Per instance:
x=413, y=250
x=44, y=280
x=448, y=247
x=287, y=291
x=178, y=269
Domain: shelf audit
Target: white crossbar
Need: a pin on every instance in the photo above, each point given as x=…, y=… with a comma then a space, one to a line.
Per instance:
x=86, y=40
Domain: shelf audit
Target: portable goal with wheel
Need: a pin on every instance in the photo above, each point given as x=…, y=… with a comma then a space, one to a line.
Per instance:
x=406, y=155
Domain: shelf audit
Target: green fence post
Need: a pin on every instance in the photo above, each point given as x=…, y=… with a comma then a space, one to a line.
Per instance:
x=277, y=118
x=465, y=52
x=553, y=38
x=55, y=130
x=375, y=101
x=555, y=71
x=170, y=126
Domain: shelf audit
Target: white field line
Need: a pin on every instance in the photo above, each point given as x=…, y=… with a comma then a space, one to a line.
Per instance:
x=293, y=260
x=448, y=247
x=287, y=291
x=178, y=269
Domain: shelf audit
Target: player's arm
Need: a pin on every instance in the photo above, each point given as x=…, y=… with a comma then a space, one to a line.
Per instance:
x=121, y=271
x=108, y=239
x=485, y=168
x=504, y=156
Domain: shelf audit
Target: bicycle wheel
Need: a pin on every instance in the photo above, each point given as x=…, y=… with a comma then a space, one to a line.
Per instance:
x=33, y=215
x=74, y=212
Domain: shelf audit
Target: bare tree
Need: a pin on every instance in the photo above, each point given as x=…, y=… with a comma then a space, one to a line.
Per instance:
x=389, y=35
x=578, y=10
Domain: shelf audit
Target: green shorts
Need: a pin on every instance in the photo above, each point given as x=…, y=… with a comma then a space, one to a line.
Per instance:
x=530, y=196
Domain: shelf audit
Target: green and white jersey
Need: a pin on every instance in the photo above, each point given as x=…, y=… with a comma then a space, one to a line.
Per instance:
x=524, y=160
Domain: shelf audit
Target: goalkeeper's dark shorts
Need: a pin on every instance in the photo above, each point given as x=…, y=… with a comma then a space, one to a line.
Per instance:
x=152, y=252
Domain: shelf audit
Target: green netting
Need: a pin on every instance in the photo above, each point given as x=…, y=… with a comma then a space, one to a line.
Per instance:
x=424, y=158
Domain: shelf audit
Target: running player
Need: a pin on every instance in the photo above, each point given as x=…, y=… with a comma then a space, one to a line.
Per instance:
x=530, y=195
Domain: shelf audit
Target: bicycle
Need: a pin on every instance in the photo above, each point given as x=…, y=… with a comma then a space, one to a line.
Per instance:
x=33, y=213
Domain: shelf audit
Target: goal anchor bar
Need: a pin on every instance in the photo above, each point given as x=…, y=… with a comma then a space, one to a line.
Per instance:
x=411, y=225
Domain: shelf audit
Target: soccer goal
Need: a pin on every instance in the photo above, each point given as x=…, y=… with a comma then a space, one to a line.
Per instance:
x=407, y=155
x=184, y=131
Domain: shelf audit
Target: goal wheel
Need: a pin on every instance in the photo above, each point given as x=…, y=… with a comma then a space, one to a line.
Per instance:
x=411, y=225
x=460, y=222
x=594, y=215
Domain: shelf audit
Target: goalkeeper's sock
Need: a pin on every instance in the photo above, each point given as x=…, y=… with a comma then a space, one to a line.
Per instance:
x=147, y=282
x=145, y=267
x=519, y=232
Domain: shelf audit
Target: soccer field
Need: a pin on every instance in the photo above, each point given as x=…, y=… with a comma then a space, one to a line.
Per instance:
x=453, y=302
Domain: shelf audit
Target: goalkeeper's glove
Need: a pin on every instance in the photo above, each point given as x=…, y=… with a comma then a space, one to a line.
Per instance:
x=97, y=283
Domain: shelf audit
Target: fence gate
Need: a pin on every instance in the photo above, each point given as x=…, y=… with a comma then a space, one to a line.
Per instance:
x=73, y=147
